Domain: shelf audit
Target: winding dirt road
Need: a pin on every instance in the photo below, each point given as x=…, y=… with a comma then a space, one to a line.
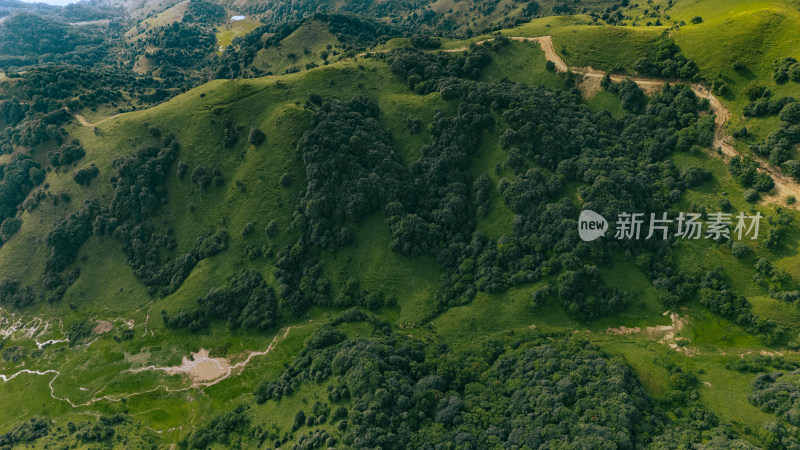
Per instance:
x=82, y=120
x=784, y=185
x=589, y=84
x=201, y=369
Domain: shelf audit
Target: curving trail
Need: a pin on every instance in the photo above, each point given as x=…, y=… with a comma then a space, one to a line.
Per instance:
x=589, y=84
x=82, y=120
x=205, y=370
x=784, y=185
x=225, y=370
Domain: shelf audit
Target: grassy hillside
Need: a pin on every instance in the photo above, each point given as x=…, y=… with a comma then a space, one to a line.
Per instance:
x=298, y=51
x=96, y=372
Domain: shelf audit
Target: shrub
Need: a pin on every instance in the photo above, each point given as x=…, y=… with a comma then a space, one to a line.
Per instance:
x=10, y=226
x=86, y=175
x=739, y=250
x=790, y=113
x=751, y=196
x=414, y=125
x=425, y=42
x=200, y=177
x=248, y=229
x=256, y=136
x=755, y=92
x=181, y=171
x=315, y=99
x=272, y=228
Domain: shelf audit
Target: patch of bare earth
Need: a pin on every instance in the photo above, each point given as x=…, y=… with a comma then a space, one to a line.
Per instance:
x=103, y=327
x=203, y=370
x=663, y=334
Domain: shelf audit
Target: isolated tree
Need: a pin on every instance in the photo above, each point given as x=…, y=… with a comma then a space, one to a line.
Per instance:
x=256, y=136
x=791, y=113
x=751, y=195
x=86, y=175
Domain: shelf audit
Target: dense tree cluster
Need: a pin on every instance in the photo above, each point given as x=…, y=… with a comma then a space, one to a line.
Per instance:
x=143, y=247
x=357, y=32
x=426, y=72
x=765, y=106
x=300, y=280
x=40, y=100
x=230, y=134
x=631, y=96
x=25, y=433
x=425, y=42
x=779, y=145
x=17, y=178
x=247, y=303
x=785, y=69
x=217, y=429
x=14, y=294
x=203, y=11
x=779, y=393
x=66, y=154
x=620, y=163
x=102, y=430
x=31, y=38
x=138, y=184
x=715, y=295
x=762, y=363
x=180, y=46
x=399, y=392
x=8, y=227
x=583, y=295
x=86, y=175
x=438, y=210
x=666, y=61
x=351, y=167
x=78, y=332
x=745, y=170
x=138, y=195
x=560, y=141
x=67, y=236
x=256, y=136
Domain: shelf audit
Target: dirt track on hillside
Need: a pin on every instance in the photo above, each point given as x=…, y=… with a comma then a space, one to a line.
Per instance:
x=590, y=83
x=82, y=120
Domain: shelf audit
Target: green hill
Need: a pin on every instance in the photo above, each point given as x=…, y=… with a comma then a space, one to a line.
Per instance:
x=381, y=250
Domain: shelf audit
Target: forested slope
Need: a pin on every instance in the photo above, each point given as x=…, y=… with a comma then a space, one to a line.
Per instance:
x=383, y=250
